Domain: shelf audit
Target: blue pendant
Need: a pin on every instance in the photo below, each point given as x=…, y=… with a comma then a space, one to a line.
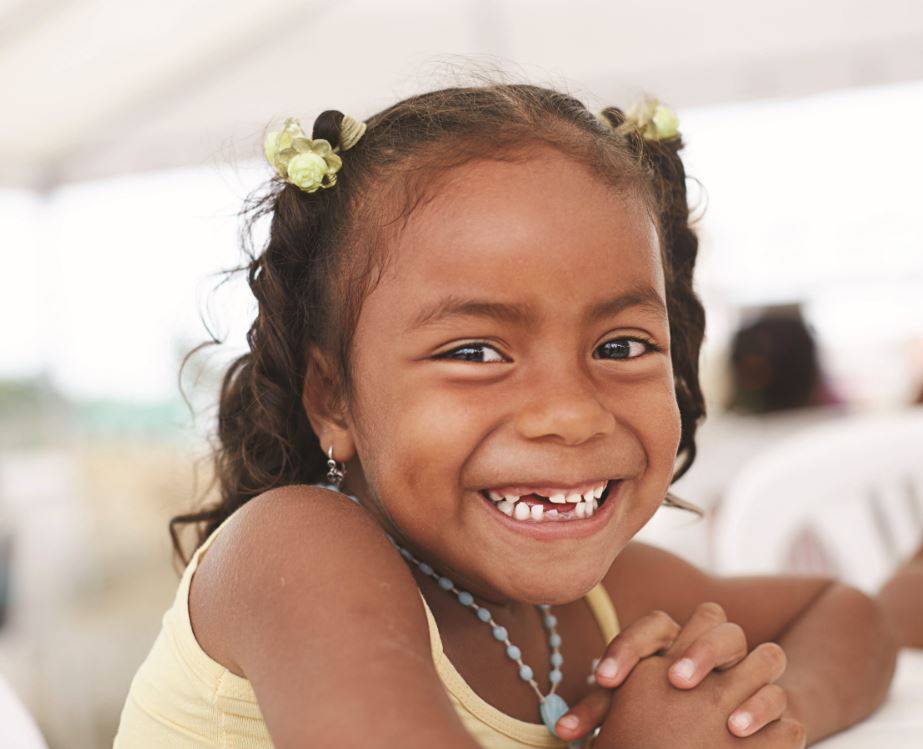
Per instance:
x=551, y=711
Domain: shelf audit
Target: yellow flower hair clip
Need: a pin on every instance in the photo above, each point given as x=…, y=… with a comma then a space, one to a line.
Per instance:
x=654, y=120
x=307, y=163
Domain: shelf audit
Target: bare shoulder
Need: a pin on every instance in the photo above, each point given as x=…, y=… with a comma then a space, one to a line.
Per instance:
x=290, y=526
x=305, y=597
x=295, y=542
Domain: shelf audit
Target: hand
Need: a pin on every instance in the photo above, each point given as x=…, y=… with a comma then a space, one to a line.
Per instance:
x=652, y=633
x=706, y=643
x=648, y=710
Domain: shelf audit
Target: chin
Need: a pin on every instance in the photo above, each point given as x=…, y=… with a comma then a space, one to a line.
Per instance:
x=564, y=587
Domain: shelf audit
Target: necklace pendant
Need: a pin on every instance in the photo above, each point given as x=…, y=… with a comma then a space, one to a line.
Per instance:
x=551, y=711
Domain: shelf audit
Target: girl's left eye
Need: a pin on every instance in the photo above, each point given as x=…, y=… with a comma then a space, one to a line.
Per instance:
x=628, y=348
x=617, y=348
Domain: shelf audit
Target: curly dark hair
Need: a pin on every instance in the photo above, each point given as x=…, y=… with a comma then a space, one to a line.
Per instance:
x=320, y=260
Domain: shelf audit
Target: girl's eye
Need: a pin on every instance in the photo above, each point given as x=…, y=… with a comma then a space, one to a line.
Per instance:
x=470, y=352
x=627, y=348
x=617, y=348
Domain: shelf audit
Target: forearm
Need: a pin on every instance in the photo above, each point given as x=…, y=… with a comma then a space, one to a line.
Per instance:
x=901, y=599
x=841, y=656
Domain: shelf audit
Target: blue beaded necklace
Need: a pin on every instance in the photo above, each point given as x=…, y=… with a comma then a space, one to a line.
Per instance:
x=551, y=706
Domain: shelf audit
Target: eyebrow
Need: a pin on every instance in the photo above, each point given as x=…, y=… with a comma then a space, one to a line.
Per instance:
x=524, y=315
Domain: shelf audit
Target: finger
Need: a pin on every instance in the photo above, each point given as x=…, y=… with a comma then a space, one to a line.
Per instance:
x=585, y=715
x=758, y=710
x=706, y=616
x=649, y=634
x=784, y=733
x=763, y=665
x=721, y=647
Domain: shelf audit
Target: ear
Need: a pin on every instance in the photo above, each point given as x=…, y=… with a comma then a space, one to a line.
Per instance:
x=324, y=406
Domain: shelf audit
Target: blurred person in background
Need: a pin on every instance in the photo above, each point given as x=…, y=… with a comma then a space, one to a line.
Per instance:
x=775, y=366
x=777, y=387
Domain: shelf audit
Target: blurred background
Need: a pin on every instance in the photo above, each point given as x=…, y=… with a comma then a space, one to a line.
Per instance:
x=131, y=133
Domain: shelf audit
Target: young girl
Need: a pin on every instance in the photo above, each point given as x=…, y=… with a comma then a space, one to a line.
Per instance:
x=472, y=378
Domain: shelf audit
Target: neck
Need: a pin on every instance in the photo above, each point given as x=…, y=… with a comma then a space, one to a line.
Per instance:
x=505, y=611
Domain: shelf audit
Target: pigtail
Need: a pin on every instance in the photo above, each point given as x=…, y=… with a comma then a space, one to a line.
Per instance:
x=667, y=178
x=264, y=439
x=687, y=315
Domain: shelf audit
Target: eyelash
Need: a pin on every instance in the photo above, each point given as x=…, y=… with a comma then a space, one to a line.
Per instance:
x=651, y=348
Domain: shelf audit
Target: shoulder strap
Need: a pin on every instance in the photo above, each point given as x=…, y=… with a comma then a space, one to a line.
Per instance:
x=601, y=605
x=435, y=641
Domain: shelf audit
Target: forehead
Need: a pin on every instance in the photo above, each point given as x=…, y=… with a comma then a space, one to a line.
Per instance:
x=541, y=229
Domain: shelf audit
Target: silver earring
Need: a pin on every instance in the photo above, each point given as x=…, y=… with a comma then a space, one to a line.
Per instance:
x=335, y=474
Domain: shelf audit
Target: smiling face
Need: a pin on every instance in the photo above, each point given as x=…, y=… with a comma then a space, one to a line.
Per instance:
x=517, y=340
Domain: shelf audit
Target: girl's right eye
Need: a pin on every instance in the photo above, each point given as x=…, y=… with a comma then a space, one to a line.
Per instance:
x=471, y=352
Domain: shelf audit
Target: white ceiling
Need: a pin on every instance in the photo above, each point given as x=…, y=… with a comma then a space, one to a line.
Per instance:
x=90, y=88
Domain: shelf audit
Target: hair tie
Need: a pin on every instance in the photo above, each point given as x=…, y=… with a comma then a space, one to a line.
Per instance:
x=309, y=163
x=350, y=132
x=648, y=116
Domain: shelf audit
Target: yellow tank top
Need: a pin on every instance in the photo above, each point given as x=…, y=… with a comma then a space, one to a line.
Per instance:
x=182, y=699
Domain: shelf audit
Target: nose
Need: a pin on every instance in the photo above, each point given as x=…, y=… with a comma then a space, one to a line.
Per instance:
x=567, y=411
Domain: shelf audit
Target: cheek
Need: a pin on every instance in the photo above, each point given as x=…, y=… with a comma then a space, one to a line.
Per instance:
x=655, y=419
x=671, y=422
x=415, y=437
x=430, y=433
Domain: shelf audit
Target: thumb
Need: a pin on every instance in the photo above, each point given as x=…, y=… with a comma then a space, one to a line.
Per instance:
x=585, y=715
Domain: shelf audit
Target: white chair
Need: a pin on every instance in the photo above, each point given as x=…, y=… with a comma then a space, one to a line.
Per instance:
x=17, y=729
x=843, y=499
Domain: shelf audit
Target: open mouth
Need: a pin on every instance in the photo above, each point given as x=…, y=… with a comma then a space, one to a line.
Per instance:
x=556, y=508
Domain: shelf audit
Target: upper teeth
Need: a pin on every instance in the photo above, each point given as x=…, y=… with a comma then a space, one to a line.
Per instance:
x=536, y=513
x=558, y=498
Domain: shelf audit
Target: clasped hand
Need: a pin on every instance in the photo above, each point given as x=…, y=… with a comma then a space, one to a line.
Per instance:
x=660, y=686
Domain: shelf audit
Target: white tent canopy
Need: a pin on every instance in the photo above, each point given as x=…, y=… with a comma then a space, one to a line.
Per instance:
x=91, y=88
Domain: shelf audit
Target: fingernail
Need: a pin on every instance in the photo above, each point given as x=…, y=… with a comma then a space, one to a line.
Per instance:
x=741, y=721
x=569, y=722
x=608, y=668
x=683, y=668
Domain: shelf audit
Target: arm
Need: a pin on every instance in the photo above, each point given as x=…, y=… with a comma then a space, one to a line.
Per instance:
x=841, y=660
x=901, y=598
x=308, y=600
x=840, y=651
